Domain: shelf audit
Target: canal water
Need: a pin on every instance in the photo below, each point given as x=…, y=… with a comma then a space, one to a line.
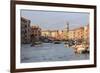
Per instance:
x=49, y=52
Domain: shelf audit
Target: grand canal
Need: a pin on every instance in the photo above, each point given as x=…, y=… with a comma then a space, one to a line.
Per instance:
x=49, y=52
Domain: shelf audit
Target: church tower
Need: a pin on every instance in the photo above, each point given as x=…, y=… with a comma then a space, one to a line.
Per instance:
x=67, y=30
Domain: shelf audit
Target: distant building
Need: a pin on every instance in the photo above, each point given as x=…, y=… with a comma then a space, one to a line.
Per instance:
x=79, y=33
x=60, y=35
x=54, y=34
x=46, y=33
x=86, y=33
x=25, y=30
x=71, y=35
x=51, y=34
x=35, y=32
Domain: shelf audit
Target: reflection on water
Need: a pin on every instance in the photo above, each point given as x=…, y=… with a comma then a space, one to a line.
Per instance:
x=49, y=52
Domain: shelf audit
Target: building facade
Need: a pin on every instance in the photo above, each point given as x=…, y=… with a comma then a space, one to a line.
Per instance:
x=25, y=30
x=86, y=34
x=54, y=34
x=46, y=33
x=79, y=33
x=71, y=35
x=35, y=33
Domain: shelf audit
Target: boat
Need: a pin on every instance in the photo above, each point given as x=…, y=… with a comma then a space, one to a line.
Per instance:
x=80, y=49
x=36, y=44
x=57, y=42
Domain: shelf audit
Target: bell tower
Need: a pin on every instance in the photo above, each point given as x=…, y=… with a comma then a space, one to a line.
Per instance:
x=67, y=30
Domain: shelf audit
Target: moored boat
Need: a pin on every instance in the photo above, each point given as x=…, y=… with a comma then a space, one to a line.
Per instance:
x=81, y=49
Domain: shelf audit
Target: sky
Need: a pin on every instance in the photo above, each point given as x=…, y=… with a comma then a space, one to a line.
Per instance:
x=56, y=20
